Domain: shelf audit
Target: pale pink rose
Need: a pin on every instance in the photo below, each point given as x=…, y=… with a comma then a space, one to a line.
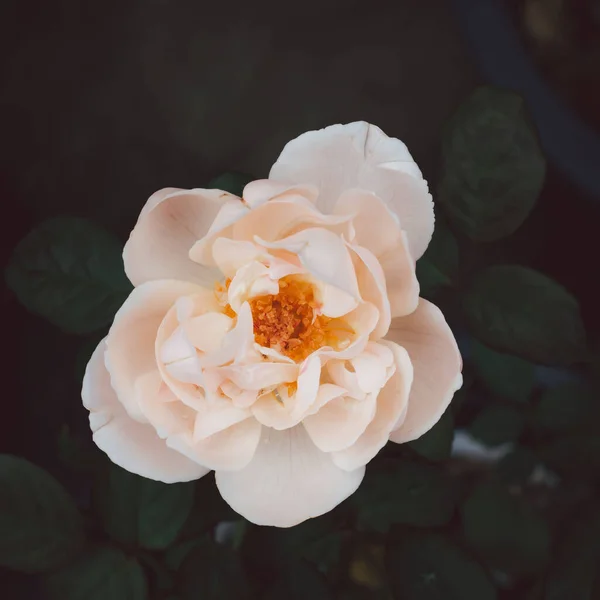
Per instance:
x=278, y=338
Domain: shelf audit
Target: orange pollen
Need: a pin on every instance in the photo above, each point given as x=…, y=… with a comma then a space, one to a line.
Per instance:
x=288, y=322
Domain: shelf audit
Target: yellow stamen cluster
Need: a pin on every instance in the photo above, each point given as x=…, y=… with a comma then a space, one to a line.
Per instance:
x=288, y=322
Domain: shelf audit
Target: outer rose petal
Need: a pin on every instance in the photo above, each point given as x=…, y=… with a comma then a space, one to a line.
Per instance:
x=378, y=234
x=288, y=481
x=359, y=155
x=229, y=449
x=129, y=444
x=391, y=406
x=130, y=341
x=437, y=368
x=167, y=228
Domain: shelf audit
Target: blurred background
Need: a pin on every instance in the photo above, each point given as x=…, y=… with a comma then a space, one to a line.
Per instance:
x=101, y=104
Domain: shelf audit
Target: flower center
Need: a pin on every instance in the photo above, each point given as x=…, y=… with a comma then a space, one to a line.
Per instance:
x=288, y=322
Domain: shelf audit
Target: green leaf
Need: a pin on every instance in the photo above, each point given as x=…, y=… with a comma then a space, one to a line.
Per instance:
x=438, y=267
x=505, y=530
x=573, y=454
x=574, y=572
x=436, y=444
x=139, y=511
x=209, y=509
x=566, y=407
x=430, y=567
x=299, y=581
x=70, y=271
x=504, y=375
x=268, y=548
x=40, y=526
x=407, y=493
x=213, y=572
x=99, y=574
x=517, y=466
x=520, y=311
x=494, y=168
x=232, y=182
x=497, y=425
x=326, y=551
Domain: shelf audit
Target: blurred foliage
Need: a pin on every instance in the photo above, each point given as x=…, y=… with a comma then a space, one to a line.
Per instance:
x=514, y=517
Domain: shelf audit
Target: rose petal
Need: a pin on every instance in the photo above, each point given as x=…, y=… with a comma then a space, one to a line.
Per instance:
x=401, y=279
x=327, y=392
x=340, y=422
x=231, y=255
x=376, y=226
x=288, y=481
x=282, y=411
x=391, y=403
x=238, y=222
x=262, y=190
x=162, y=408
x=238, y=344
x=217, y=414
x=130, y=343
x=359, y=155
x=229, y=449
x=341, y=375
x=133, y=446
x=167, y=228
x=372, y=286
x=259, y=375
x=206, y=332
x=323, y=254
x=437, y=368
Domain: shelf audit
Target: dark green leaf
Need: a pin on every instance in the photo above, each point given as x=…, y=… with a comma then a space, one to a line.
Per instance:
x=566, y=407
x=497, y=425
x=504, y=375
x=494, y=168
x=518, y=310
x=407, y=493
x=505, y=530
x=266, y=548
x=139, y=511
x=70, y=271
x=209, y=509
x=438, y=267
x=575, y=569
x=213, y=572
x=233, y=182
x=299, y=581
x=326, y=551
x=430, y=567
x=573, y=454
x=517, y=466
x=436, y=444
x=40, y=526
x=177, y=553
x=99, y=574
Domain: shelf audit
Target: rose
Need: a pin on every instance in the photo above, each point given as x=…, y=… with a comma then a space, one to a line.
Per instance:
x=278, y=338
